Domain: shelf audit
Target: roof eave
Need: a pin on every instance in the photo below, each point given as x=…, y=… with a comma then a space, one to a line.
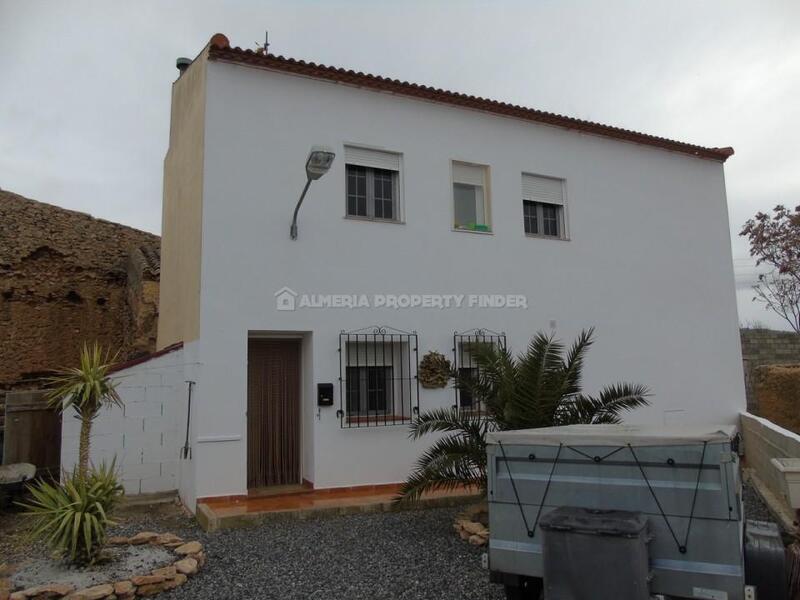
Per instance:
x=219, y=49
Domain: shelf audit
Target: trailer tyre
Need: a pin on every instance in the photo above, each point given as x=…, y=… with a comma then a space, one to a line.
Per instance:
x=529, y=589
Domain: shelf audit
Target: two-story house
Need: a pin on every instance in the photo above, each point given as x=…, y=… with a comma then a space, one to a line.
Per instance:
x=441, y=217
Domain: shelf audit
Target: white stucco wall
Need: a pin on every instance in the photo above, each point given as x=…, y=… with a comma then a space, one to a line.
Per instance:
x=146, y=434
x=648, y=262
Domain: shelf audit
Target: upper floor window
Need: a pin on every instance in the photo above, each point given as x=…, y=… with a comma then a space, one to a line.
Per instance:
x=373, y=183
x=543, y=206
x=471, y=197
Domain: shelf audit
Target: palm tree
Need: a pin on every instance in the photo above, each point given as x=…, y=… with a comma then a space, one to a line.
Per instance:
x=86, y=388
x=540, y=388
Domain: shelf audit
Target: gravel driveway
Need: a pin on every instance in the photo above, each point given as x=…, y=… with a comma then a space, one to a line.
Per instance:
x=400, y=555
x=403, y=555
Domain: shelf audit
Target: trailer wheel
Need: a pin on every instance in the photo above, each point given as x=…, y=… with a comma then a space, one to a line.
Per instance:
x=528, y=589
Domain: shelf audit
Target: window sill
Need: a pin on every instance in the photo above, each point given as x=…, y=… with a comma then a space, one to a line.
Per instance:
x=541, y=236
x=373, y=220
x=464, y=230
x=379, y=419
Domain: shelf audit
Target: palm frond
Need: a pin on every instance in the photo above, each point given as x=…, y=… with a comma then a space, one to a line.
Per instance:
x=540, y=388
x=450, y=462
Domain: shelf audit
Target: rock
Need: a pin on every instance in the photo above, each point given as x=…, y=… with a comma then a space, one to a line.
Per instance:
x=179, y=579
x=168, y=538
x=189, y=548
x=145, y=537
x=151, y=589
x=122, y=588
x=165, y=572
x=117, y=540
x=138, y=580
x=200, y=557
x=473, y=527
x=96, y=592
x=477, y=540
x=50, y=590
x=187, y=566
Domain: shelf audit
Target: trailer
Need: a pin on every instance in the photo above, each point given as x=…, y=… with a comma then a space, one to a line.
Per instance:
x=595, y=512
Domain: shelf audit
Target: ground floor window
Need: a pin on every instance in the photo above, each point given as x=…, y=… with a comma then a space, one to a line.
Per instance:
x=368, y=390
x=378, y=377
x=465, y=345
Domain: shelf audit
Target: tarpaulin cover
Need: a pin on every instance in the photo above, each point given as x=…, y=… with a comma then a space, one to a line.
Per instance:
x=615, y=435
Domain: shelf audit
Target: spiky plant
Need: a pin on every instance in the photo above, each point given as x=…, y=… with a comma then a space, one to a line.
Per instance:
x=87, y=388
x=540, y=388
x=454, y=460
x=72, y=517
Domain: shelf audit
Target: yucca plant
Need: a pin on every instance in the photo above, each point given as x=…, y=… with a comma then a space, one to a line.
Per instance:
x=86, y=388
x=540, y=388
x=72, y=517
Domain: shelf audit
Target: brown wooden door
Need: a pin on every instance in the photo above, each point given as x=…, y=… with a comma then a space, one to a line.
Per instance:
x=273, y=412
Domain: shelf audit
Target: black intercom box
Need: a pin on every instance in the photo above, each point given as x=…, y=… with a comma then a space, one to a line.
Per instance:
x=324, y=394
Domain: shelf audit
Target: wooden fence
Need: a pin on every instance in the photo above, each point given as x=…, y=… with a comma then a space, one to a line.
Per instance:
x=32, y=432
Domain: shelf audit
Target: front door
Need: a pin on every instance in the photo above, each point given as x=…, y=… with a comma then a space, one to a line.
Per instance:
x=273, y=412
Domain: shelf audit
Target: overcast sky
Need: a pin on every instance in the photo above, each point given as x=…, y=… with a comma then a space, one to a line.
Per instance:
x=84, y=108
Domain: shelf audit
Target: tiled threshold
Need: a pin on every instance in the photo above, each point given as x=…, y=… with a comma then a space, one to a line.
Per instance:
x=225, y=512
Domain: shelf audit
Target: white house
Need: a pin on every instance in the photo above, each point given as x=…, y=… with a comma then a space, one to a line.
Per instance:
x=443, y=216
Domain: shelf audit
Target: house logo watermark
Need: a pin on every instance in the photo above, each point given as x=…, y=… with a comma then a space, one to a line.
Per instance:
x=286, y=299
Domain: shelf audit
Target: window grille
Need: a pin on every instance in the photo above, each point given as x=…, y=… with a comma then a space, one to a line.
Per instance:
x=465, y=365
x=378, y=383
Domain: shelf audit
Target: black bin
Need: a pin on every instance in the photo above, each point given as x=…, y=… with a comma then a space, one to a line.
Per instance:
x=595, y=555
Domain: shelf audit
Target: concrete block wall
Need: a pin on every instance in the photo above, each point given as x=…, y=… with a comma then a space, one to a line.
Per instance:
x=146, y=434
x=766, y=347
x=763, y=441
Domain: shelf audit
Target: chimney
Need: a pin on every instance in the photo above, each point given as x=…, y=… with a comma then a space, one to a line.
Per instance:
x=183, y=64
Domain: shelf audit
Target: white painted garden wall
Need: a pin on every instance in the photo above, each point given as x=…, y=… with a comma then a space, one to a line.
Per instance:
x=145, y=435
x=763, y=441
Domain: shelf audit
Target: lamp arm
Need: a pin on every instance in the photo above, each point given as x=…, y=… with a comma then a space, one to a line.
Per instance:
x=293, y=228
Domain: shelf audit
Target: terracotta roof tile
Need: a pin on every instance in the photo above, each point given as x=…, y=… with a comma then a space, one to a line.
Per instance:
x=219, y=49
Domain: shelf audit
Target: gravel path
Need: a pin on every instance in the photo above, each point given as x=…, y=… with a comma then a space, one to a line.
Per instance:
x=754, y=507
x=403, y=555
x=410, y=555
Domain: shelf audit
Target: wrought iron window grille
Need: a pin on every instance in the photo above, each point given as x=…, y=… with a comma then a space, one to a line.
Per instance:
x=465, y=365
x=378, y=380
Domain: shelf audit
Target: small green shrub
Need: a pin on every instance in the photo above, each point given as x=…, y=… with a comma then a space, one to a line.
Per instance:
x=71, y=518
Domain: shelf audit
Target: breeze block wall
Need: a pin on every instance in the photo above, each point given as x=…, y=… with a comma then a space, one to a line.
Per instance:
x=145, y=435
x=766, y=347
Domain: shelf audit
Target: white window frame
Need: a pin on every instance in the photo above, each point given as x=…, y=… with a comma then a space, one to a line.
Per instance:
x=371, y=158
x=487, y=195
x=540, y=201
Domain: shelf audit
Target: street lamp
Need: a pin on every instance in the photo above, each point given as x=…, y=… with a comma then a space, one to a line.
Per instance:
x=318, y=163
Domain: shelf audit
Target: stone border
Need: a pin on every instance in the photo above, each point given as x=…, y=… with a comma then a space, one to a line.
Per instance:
x=190, y=559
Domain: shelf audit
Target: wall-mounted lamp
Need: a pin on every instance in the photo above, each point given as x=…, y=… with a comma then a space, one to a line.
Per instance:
x=318, y=163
